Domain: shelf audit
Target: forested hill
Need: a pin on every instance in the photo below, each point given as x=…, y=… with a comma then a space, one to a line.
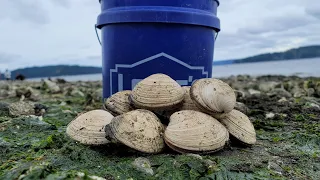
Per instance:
x=52, y=71
x=297, y=53
x=59, y=70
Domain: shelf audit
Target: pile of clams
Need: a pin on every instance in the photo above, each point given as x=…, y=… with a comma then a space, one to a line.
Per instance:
x=160, y=113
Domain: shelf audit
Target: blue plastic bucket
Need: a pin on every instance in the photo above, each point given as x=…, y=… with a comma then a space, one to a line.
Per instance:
x=144, y=37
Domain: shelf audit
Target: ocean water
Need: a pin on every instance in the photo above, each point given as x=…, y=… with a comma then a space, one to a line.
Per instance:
x=299, y=67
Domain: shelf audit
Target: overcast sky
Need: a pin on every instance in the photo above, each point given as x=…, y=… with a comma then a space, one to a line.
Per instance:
x=49, y=32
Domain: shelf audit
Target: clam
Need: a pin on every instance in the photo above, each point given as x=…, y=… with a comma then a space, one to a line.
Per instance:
x=157, y=92
x=194, y=131
x=118, y=103
x=213, y=96
x=240, y=127
x=88, y=128
x=188, y=103
x=139, y=129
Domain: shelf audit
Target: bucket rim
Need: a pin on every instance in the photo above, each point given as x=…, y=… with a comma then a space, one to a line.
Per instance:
x=218, y=2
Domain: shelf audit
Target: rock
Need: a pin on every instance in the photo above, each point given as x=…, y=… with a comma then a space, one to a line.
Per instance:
x=317, y=90
x=298, y=92
x=24, y=91
x=98, y=95
x=270, y=115
x=275, y=167
x=4, y=143
x=268, y=86
x=4, y=109
x=21, y=108
x=279, y=92
x=40, y=109
x=195, y=156
x=283, y=99
x=241, y=107
x=254, y=92
x=77, y=93
x=310, y=91
x=143, y=165
x=82, y=176
x=240, y=94
x=51, y=86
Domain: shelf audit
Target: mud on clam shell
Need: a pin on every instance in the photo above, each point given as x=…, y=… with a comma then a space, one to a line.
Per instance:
x=88, y=128
x=240, y=127
x=139, y=129
x=213, y=96
x=118, y=103
x=194, y=131
x=157, y=92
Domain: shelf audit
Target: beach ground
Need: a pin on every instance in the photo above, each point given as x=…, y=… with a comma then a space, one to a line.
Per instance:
x=285, y=112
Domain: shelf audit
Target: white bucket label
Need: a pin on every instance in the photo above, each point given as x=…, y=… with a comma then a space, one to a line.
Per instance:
x=126, y=76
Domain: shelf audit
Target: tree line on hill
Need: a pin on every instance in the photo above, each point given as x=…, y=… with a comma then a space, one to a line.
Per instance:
x=60, y=70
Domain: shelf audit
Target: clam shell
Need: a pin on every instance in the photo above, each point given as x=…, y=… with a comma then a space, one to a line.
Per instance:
x=88, y=128
x=213, y=95
x=240, y=127
x=139, y=129
x=188, y=103
x=157, y=92
x=194, y=131
x=119, y=103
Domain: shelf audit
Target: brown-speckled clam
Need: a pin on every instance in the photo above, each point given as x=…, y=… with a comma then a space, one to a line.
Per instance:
x=118, y=103
x=139, y=129
x=213, y=96
x=240, y=127
x=88, y=128
x=157, y=92
x=194, y=131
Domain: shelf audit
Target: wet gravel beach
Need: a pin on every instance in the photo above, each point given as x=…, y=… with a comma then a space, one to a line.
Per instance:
x=285, y=111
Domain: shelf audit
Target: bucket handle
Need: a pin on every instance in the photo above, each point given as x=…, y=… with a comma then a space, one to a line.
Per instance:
x=215, y=38
x=95, y=27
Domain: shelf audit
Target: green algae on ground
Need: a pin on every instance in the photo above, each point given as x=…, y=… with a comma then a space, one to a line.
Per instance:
x=288, y=146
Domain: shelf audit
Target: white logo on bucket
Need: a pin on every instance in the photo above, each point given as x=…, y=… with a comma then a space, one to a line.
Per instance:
x=182, y=82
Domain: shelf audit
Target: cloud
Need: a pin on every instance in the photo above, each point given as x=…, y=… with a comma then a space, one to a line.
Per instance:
x=62, y=3
x=62, y=31
x=314, y=10
x=253, y=27
x=5, y=58
x=21, y=10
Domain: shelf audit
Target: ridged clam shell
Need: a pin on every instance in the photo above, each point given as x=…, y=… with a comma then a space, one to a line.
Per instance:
x=213, y=95
x=239, y=126
x=194, y=131
x=119, y=103
x=88, y=128
x=157, y=92
x=139, y=129
x=188, y=103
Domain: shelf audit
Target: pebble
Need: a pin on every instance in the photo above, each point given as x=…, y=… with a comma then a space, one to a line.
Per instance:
x=194, y=155
x=254, y=92
x=310, y=91
x=143, y=165
x=270, y=115
x=241, y=107
x=51, y=86
x=297, y=92
x=268, y=86
x=275, y=167
x=283, y=99
x=77, y=93
x=280, y=93
x=21, y=108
